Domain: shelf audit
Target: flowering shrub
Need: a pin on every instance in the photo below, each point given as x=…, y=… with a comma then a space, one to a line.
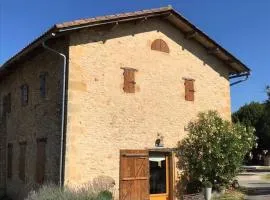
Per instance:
x=54, y=192
x=214, y=149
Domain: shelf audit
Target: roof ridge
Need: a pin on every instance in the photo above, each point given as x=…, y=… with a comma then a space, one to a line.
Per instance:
x=104, y=17
x=168, y=12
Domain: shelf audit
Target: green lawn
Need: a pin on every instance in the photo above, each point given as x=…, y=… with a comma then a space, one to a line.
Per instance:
x=231, y=195
x=266, y=177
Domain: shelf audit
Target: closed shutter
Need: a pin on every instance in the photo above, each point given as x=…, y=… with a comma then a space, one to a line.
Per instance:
x=9, y=163
x=22, y=161
x=7, y=104
x=189, y=90
x=134, y=175
x=129, y=80
x=24, y=94
x=160, y=45
x=40, y=160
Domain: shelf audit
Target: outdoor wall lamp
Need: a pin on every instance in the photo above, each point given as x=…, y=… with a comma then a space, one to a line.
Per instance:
x=159, y=141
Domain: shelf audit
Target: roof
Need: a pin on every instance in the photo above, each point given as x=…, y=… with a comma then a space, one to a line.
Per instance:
x=168, y=13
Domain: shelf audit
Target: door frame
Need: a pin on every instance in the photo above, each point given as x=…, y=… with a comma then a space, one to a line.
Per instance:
x=170, y=172
x=170, y=155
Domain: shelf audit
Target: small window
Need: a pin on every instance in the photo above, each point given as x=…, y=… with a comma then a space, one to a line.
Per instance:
x=22, y=160
x=9, y=161
x=129, y=80
x=189, y=89
x=24, y=94
x=43, y=86
x=41, y=160
x=160, y=45
x=7, y=103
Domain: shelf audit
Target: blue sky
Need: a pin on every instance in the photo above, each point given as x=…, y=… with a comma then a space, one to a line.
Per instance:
x=242, y=27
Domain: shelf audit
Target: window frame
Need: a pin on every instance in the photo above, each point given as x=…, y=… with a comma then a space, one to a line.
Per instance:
x=22, y=160
x=24, y=94
x=43, y=84
x=6, y=103
x=40, y=160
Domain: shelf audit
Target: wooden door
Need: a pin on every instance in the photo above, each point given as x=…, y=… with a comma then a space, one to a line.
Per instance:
x=134, y=175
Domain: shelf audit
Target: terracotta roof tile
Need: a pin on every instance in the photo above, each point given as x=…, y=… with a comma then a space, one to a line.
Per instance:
x=110, y=17
x=183, y=24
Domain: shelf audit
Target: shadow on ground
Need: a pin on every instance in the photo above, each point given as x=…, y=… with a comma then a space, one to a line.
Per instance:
x=255, y=191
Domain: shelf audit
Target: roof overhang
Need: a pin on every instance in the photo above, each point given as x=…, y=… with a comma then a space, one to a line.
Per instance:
x=190, y=31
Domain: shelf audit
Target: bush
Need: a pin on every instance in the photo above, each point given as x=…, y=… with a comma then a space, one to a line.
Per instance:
x=214, y=149
x=51, y=191
x=105, y=195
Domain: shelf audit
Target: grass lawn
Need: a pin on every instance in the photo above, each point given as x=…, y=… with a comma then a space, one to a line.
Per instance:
x=263, y=167
x=231, y=195
x=266, y=177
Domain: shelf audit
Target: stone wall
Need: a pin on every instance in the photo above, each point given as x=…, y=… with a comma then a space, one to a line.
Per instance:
x=102, y=119
x=40, y=118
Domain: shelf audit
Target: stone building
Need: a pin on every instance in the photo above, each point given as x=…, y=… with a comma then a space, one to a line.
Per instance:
x=132, y=82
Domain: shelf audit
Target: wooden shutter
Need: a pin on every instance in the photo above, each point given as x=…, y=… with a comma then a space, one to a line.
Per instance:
x=189, y=90
x=22, y=161
x=129, y=80
x=7, y=103
x=134, y=175
x=4, y=105
x=24, y=94
x=9, y=162
x=40, y=160
x=160, y=45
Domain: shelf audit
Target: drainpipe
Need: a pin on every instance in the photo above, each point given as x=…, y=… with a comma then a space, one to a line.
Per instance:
x=63, y=108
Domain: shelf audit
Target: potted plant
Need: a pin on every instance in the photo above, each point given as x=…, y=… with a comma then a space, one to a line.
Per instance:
x=222, y=189
x=207, y=190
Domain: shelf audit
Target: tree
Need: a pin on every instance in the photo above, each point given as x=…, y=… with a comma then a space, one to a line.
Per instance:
x=263, y=126
x=249, y=114
x=257, y=115
x=214, y=148
x=268, y=92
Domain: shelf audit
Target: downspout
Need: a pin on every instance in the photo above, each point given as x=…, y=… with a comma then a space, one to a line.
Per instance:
x=63, y=109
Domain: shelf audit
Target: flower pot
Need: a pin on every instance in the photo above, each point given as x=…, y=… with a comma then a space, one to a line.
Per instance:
x=222, y=191
x=207, y=193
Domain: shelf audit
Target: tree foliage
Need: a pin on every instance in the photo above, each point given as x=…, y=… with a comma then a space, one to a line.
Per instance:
x=257, y=115
x=214, y=148
x=249, y=114
x=263, y=126
x=268, y=93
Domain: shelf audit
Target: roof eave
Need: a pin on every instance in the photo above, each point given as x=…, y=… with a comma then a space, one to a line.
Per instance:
x=236, y=66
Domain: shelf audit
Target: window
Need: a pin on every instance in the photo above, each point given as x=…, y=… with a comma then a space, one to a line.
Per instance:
x=22, y=161
x=24, y=94
x=189, y=90
x=160, y=45
x=43, y=88
x=7, y=103
x=129, y=80
x=9, y=161
x=41, y=160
